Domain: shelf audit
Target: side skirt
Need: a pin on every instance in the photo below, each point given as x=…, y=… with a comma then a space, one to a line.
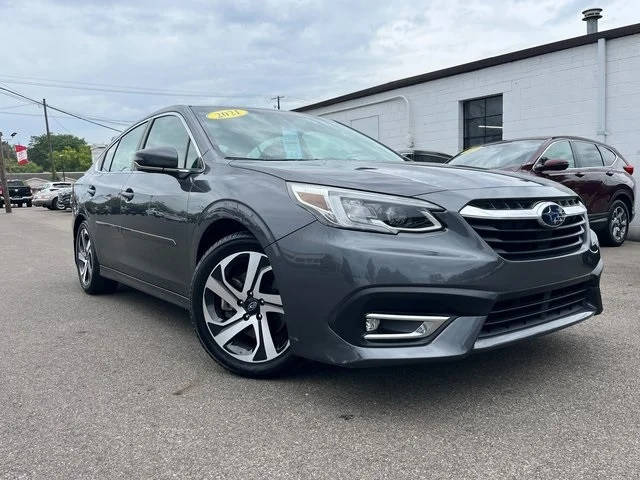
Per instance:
x=145, y=287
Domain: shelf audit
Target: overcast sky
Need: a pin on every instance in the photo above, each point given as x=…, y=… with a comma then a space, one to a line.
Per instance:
x=244, y=52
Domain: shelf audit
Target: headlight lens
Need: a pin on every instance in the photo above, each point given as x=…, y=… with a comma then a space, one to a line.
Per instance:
x=366, y=211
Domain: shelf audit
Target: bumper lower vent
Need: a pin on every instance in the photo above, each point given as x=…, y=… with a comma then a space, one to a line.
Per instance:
x=530, y=310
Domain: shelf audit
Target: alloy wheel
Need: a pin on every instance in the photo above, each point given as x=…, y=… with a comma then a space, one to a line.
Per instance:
x=84, y=257
x=619, y=223
x=243, y=309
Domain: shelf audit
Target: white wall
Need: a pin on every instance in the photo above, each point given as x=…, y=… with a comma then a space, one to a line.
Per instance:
x=552, y=94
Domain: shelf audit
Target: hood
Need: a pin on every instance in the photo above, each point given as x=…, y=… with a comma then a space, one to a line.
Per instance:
x=407, y=179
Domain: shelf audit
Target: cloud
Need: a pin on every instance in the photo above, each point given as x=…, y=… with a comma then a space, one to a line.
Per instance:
x=244, y=52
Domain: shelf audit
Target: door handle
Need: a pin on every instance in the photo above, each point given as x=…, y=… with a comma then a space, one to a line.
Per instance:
x=91, y=190
x=579, y=174
x=610, y=173
x=128, y=194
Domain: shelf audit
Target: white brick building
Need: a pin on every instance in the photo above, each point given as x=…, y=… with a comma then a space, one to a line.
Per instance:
x=586, y=86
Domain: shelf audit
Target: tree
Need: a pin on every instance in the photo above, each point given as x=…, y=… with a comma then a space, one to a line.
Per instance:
x=72, y=159
x=39, y=148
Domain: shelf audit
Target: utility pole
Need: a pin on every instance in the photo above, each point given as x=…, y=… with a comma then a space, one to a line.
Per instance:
x=46, y=121
x=277, y=98
x=3, y=180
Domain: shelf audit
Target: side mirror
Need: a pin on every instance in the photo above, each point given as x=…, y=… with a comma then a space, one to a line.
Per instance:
x=552, y=164
x=156, y=159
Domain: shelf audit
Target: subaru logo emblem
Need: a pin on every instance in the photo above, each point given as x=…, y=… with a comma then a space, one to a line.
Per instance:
x=551, y=214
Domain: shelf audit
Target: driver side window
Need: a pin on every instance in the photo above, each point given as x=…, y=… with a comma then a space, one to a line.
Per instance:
x=560, y=151
x=168, y=131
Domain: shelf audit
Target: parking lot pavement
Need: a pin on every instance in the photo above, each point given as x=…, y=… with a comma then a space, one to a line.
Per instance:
x=117, y=386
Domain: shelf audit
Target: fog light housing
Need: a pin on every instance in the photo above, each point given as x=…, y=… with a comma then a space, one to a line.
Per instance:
x=371, y=324
x=391, y=327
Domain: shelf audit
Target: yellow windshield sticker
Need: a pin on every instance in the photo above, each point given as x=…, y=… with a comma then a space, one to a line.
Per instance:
x=470, y=149
x=224, y=114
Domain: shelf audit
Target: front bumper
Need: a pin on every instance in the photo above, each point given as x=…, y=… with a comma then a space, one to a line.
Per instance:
x=330, y=279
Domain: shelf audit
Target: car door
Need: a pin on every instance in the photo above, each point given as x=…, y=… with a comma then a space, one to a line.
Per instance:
x=561, y=150
x=155, y=217
x=591, y=177
x=104, y=190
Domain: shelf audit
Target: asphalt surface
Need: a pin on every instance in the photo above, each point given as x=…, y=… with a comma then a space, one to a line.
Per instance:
x=117, y=386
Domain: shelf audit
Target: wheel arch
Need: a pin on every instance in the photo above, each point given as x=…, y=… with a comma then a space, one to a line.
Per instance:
x=76, y=225
x=223, y=218
x=626, y=197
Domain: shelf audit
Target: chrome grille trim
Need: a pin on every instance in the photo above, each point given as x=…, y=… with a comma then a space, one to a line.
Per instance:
x=470, y=211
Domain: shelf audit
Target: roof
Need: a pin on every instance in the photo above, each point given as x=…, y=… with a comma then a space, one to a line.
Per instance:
x=480, y=64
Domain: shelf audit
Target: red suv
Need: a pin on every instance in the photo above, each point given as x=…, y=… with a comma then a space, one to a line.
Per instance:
x=595, y=171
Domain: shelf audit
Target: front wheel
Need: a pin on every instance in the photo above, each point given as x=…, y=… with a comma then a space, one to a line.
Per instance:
x=617, y=224
x=237, y=310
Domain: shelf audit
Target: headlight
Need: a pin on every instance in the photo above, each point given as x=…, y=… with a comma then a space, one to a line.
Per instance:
x=366, y=211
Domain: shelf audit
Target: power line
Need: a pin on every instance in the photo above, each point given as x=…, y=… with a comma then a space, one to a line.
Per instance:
x=15, y=106
x=59, y=109
x=127, y=90
x=23, y=114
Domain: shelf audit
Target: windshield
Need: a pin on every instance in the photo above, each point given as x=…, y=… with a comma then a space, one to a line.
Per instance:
x=276, y=135
x=15, y=183
x=498, y=155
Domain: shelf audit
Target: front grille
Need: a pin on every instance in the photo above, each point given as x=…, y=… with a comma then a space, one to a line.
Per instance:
x=524, y=312
x=520, y=203
x=527, y=239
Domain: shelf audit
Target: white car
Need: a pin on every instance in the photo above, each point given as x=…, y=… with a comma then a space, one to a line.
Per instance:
x=48, y=196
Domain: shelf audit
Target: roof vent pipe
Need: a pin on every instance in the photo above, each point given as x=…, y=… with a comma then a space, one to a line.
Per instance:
x=591, y=16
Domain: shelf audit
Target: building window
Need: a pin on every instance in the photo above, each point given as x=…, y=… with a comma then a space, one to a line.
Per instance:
x=482, y=120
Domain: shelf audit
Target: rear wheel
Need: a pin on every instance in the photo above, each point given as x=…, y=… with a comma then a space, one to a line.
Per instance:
x=29, y=203
x=237, y=310
x=87, y=265
x=617, y=224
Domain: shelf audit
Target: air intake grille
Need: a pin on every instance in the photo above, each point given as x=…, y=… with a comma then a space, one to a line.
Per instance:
x=524, y=312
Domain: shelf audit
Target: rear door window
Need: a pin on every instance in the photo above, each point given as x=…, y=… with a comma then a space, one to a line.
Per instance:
x=128, y=145
x=587, y=154
x=608, y=156
x=560, y=151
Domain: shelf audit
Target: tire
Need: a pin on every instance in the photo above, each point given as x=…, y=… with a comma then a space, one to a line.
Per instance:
x=234, y=318
x=29, y=204
x=85, y=257
x=617, y=224
x=19, y=204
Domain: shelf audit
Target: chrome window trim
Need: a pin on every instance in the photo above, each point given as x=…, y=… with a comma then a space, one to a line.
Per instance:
x=146, y=135
x=470, y=211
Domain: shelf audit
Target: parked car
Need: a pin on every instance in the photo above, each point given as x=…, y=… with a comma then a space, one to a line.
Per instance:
x=19, y=193
x=288, y=235
x=596, y=172
x=48, y=195
x=426, y=156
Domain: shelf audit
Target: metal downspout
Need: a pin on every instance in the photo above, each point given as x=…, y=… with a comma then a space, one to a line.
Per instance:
x=602, y=89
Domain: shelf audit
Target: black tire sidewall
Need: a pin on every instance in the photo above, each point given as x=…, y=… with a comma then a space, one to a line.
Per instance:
x=611, y=241
x=233, y=243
